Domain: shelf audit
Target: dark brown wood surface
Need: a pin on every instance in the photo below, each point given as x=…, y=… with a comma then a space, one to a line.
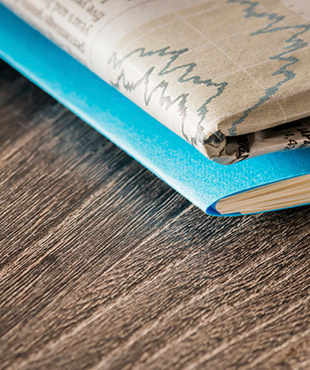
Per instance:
x=104, y=266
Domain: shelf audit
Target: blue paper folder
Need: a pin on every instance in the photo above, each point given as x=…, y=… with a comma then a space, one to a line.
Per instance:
x=149, y=142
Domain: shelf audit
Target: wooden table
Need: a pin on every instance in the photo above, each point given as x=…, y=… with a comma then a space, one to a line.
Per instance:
x=105, y=266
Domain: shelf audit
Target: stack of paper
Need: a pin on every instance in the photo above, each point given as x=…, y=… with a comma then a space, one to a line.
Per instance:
x=231, y=77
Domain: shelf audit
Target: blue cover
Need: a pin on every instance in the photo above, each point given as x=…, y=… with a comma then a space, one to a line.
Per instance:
x=169, y=157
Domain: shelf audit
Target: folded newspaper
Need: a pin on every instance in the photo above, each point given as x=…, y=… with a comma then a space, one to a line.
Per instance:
x=231, y=77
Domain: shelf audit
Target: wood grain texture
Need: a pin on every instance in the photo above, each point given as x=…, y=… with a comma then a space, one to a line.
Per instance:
x=104, y=266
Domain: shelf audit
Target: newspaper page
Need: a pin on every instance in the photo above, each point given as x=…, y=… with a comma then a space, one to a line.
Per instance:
x=225, y=75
